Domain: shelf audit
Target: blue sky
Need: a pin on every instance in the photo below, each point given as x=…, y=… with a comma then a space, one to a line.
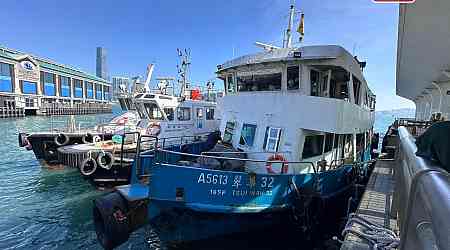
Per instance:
x=139, y=32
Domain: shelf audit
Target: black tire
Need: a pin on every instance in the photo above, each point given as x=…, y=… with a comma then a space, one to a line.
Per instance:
x=87, y=138
x=88, y=166
x=61, y=139
x=111, y=230
x=105, y=160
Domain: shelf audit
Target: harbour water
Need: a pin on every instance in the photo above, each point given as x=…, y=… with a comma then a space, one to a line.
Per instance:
x=51, y=209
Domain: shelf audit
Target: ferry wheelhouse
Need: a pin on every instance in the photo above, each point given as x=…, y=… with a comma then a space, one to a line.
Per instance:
x=296, y=128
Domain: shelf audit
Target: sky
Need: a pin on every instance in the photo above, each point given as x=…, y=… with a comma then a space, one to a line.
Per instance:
x=138, y=32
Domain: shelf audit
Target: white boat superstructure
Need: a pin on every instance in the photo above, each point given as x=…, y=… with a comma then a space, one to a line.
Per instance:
x=189, y=114
x=308, y=104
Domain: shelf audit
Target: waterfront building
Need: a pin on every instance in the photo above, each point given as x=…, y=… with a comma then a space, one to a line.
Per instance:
x=117, y=81
x=36, y=85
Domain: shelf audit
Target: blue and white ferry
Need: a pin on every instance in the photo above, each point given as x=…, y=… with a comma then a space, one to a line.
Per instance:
x=296, y=126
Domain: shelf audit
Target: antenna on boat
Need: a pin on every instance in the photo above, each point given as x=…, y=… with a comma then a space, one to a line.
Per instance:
x=150, y=68
x=183, y=71
x=288, y=35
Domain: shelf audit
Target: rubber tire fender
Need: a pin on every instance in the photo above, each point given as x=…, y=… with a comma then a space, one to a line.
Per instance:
x=111, y=231
x=85, y=137
x=65, y=138
x=88, y=160
x=109, y=160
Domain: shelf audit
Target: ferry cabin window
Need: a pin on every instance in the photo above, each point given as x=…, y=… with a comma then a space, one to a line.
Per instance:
x=292, y=78
x=230, y=84
x=272, y=139
x=329, y=142
x=153, y=111
x=170, y=114
x=312, y=146
x=184, y=114
x=228, y=133
x=247, y=135
x=209, y=114
x=315, y=84
x=140, y=110
x=123, y=106
x=356, y=89
x=265, y=82
x=199, y=113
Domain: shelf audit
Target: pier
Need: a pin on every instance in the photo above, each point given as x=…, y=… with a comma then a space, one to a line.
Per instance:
x=31, y=85
x=77, y=109
x=407, y=195
x=8, y=112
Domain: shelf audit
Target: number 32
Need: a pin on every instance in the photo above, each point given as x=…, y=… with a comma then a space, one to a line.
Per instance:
x=267, y=182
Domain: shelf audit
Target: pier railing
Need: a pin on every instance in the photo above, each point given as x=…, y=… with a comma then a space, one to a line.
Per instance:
x=7, y=112
x=421, y=198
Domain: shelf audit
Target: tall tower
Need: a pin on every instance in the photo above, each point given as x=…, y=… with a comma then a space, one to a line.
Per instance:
x=102, y=69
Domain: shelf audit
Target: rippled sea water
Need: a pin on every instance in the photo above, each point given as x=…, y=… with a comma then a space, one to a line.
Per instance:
x=51, y=209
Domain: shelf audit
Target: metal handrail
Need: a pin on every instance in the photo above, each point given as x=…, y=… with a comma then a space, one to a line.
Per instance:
x=238, y=159
x=426, y=188
x=242, y=152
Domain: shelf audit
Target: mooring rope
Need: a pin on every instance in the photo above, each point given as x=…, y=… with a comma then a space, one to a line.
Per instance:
x=378, y=236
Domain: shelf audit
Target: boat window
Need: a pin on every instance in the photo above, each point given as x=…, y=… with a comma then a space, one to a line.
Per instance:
x=199, y=113
x=230, y=84
x=140, y=110
x=169, y=113
x=292, y=78
x=315, y=85
x=247, y=135
x=359, y=142
x=228, y=133
x=149, y=96
x=123, y=106
x=312, y=146
x=329, y=142
x=356, y=89
x=265, y=82
x=153, y=111
x=165, y=97
x=184, y=114
x=138, y=95
x=209, y=114
x=272, y=139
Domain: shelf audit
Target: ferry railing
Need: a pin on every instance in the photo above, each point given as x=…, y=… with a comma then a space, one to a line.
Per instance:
x=238, y=159
x=421, y=198
x=127, y=152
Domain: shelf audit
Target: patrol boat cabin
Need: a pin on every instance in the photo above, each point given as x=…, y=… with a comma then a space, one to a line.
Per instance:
x=306, y=104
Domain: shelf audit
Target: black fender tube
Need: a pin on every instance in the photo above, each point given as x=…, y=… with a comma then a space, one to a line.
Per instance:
x=115, y=218
x=111, y=220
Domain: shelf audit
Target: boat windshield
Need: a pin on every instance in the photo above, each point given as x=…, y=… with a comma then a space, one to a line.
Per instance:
x=153, y=111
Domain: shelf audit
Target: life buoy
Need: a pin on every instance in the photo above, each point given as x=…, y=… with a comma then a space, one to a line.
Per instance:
x=153, y=129
x=105, y=160
x=88, y=166
x=61, y=139
x=87, y=138
x=277, y=157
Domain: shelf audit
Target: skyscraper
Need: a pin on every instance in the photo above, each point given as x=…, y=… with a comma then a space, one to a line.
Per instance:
x=102, y=69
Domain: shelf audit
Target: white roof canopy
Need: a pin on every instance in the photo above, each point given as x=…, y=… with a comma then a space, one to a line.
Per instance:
x=423, y=49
